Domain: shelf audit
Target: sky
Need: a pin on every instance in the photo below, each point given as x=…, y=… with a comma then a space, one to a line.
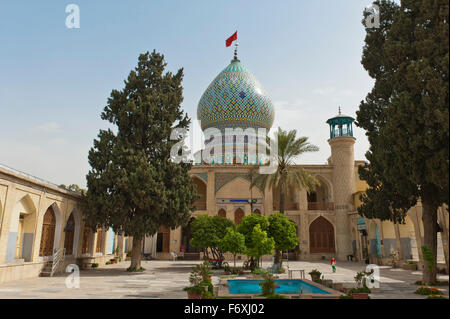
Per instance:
x=55, y=81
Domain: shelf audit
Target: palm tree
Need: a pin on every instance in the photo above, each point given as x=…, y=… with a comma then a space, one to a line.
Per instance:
x=287, y=174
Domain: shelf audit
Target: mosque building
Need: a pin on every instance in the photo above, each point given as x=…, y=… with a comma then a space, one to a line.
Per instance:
x=40, y=221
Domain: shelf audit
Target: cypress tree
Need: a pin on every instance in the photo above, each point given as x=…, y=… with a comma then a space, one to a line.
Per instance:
x=406, y=115
x=133, y=186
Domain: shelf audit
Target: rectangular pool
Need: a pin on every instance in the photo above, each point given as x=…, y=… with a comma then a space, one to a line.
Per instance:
x=290, y=286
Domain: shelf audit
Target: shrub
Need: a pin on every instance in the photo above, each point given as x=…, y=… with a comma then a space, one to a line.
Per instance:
x=427, y=291
x=259, y=271
x=346, y=297
x=94, y=265
x=268, y=285
x=360, y=290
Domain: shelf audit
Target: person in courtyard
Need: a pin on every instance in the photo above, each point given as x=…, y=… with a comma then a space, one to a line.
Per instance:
x=333, y=264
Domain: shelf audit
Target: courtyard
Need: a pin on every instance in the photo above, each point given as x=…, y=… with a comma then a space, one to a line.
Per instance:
x=166, y=279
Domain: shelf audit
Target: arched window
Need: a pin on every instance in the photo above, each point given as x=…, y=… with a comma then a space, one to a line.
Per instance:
x=238, y=215
x=257, y=211
x=222, y=213
x=321, y=236
x=48, y=233
x=70, y=231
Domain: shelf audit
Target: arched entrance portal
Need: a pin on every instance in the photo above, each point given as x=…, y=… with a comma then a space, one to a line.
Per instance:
x=321, y=236
x=257, y=211
x=48, y=233
x=238, y=215
x=70, y=232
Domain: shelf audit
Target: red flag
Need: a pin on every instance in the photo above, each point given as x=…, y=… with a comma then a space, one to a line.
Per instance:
x=231, y=39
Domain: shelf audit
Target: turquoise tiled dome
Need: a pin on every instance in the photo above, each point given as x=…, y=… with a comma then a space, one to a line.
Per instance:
x=235, y=99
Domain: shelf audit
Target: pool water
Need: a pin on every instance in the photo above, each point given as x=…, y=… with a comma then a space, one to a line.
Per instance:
x=285, y=287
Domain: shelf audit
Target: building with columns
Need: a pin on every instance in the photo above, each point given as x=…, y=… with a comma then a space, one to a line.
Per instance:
x=39, y=219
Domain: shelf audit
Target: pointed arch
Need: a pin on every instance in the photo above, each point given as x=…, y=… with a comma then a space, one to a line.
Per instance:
x=222, y=213
x=321, y=236
x=69, y=231
x=257, y=211
x=238, y=215
x=22, y=230
x=48, y=233
x=200, y=187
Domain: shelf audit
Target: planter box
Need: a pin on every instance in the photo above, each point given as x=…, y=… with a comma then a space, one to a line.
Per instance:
x=360, y=295
x=193, y=295
x=314, y=277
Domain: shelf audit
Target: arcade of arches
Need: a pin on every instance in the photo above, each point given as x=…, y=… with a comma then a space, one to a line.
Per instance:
x=38, y=218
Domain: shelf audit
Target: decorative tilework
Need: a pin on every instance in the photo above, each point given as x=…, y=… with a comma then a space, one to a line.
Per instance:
x=235, y=99
x=203, y=176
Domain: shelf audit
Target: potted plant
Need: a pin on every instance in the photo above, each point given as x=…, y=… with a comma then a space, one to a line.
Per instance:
x=200, y=280
x=315, y=274
x=361, y=291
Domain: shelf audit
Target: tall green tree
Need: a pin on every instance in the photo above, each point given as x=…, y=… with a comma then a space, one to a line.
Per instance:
x=233, y=242
x=407, y=110
x=246, y=228
x=283, y=232
x=133, y=186
x=262, y=244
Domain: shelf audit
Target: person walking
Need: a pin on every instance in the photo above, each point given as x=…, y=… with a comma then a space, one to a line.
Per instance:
x=333, y=264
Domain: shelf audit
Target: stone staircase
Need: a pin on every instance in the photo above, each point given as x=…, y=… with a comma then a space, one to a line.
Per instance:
x=51, y=266
x=47, y=270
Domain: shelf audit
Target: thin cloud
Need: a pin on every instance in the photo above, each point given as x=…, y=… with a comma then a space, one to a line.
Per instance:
x=49, y=127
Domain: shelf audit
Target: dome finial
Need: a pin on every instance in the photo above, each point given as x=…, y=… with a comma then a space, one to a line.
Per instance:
x=339, y=110
x=235, y=51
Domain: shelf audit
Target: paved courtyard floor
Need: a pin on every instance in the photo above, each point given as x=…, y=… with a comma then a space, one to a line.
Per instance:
x=166, y=279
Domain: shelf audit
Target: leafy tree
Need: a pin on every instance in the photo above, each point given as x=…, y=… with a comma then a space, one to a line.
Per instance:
x=407, y=109
x=262, y=244
x=133, y=186
x=283, y=232
x=246, y=227
x=233, y=242
x=208, y=233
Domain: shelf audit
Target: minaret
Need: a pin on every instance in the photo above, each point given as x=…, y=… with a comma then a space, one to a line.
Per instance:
x=342, y=159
